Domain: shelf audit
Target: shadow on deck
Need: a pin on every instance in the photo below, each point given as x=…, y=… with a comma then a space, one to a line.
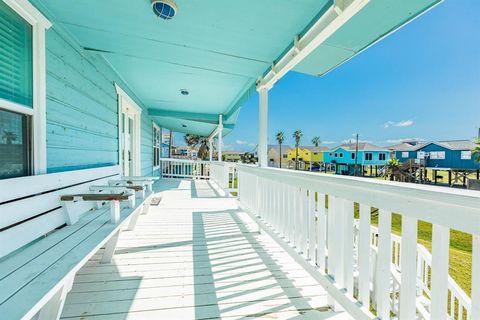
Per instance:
x=196, y=256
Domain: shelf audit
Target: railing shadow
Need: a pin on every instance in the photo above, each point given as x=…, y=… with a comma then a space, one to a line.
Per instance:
x=244, y=282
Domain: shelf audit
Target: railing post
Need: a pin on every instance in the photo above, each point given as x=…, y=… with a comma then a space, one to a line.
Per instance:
x=408, y=263
x=440, y=247
x=475, y=313
x=363, y=253
x=262, y=127
x=384, y=259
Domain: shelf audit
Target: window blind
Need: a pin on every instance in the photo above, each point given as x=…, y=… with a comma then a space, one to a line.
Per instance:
x=16, y=82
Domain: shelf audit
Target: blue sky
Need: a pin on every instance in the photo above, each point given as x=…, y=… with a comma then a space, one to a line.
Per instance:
x=421, y=82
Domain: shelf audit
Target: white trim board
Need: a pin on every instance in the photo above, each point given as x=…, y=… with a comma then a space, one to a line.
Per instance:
x=128, y=104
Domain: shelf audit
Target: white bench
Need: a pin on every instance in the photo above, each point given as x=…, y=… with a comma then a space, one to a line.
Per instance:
x=43, y=244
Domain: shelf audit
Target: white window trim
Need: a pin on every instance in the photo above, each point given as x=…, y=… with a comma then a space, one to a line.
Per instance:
x=156, y=126
x=38, y=111
x=123, y=97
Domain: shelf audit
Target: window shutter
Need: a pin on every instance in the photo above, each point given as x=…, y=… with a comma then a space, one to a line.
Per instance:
x=16, y=68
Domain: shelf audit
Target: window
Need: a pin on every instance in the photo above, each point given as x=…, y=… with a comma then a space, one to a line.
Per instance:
x=405, y=154
x=437, y=155
x=466, y=155
x=336, y=155
x=341, y=155
x=285, y=156
x=382, y=156
x=15, y=152
x=156, y=145
x=22, y=90
x=368, y=156
x=353, y=156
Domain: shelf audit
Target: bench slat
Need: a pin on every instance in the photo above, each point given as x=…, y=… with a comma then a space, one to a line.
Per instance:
x=31, y=185
x=17, y=259
x=18, y=279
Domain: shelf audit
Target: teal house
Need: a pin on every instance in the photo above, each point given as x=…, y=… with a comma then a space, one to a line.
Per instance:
x=344, y=157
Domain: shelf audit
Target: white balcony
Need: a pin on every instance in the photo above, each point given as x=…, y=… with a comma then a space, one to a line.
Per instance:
x=270, y=253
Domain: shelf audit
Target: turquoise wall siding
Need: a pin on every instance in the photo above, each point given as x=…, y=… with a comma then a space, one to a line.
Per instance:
x=82, y=109
x=345, y=157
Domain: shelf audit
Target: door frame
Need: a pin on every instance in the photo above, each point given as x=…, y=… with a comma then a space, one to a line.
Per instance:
x=125, y=103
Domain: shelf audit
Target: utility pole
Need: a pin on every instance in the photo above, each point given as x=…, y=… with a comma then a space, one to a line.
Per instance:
x=356, y=157
x=170, y=142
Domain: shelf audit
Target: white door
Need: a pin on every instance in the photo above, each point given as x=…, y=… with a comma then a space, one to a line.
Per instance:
x=129, y=140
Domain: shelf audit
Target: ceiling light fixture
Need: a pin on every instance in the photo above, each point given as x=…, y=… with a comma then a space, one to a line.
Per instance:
x=165, y=9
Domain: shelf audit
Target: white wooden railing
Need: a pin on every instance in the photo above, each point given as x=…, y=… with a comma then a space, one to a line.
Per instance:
x=297, y=209
x=460, y=302
x=225, y=175
x=180, y=168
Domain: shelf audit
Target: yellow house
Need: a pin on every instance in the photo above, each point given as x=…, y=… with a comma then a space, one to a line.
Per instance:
x=308, y=155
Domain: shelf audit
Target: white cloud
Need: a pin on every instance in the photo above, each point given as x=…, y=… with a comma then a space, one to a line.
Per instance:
x=397, y=141
x=400, y=124
x=241, y=142
x=329, y=142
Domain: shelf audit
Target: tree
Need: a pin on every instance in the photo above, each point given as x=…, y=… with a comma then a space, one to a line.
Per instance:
x=193, y=140
x=476, y=150
x=297, y=135
x=316, y=141
x=393, y=167
x=280, y=138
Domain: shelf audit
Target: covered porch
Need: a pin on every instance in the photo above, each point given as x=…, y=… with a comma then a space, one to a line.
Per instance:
x=197, y=255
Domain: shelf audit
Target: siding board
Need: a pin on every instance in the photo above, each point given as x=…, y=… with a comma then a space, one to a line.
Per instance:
x=82, y=109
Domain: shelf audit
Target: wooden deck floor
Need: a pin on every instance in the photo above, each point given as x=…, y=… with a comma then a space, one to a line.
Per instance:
x=196, y=256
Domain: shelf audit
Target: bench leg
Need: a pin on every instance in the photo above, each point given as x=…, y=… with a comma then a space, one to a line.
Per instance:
x=146, y=206
x=71, y=216
x=114, y=212
x=110, y=248
x=134, y=219
x=53, y=309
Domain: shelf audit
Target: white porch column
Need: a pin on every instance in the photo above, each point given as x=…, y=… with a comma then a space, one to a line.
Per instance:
x=220, y=137
x=210, y=148
x=262, y=127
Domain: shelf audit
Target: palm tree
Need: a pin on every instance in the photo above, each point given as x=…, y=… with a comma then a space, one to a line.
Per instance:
x=297, y=135
x=393, y=165
x=280, y=138
x=476, y=150
x=193, y=140
x=316, y=141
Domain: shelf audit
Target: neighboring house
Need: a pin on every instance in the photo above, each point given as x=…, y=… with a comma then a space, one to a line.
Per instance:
x=274, y=155
x=404, y=151
x=311, y=156
x=369, y=155
x=232, y=156
x=447, y=155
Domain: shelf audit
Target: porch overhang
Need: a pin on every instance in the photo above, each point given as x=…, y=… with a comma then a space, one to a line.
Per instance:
x=186, y=71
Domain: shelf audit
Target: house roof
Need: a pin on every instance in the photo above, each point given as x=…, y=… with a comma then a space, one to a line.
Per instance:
x=314, y=148
x=216, y=49
x=457, y=144
x=361, y=147
x=276, y=147
x=406, y=146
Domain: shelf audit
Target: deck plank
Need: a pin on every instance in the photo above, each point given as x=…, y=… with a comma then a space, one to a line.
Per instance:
x=196, y=256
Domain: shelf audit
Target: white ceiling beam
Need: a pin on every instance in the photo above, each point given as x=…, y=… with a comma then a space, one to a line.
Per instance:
x=333, y=19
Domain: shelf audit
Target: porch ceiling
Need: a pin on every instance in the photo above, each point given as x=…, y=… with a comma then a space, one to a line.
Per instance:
x=215, y=49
